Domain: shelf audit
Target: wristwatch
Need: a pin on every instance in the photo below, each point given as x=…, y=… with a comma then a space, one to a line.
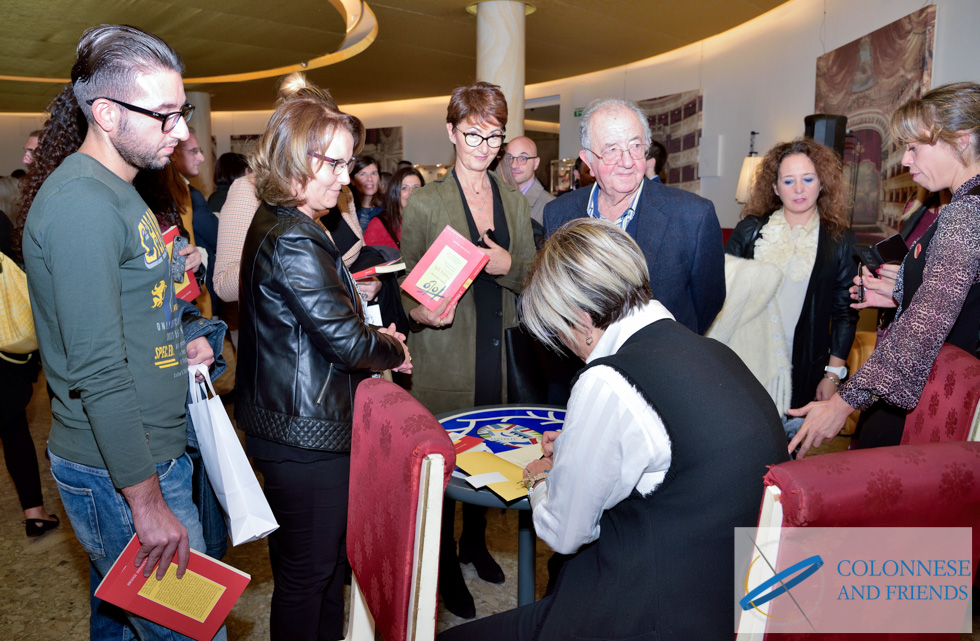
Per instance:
x=840, y=372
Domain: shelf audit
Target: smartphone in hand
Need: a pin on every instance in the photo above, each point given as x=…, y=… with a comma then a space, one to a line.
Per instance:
x=486, y=234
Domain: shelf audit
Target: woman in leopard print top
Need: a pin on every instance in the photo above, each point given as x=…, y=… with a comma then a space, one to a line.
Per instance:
x=938, y=286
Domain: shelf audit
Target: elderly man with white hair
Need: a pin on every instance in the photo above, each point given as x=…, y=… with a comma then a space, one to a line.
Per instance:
x=677, y=231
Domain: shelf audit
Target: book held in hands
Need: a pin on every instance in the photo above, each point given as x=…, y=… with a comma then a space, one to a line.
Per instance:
x=445, y=271
x=195, y=605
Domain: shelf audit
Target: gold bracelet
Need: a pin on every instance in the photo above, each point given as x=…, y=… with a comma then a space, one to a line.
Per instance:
x=530, y=481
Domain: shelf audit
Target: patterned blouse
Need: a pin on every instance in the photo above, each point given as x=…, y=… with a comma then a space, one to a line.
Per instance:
x=900, y=364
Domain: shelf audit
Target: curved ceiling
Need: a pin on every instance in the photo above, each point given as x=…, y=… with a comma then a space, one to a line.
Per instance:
x=423, y=48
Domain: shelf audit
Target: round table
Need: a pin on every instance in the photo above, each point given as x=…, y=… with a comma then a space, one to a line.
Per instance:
x=540, y=418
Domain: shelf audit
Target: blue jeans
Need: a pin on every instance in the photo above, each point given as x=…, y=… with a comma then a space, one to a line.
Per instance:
x=103, y=524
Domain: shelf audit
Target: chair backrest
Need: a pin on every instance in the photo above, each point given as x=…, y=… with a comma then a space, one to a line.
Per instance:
x=401, y=460
x=948, y=409
x=902, y=486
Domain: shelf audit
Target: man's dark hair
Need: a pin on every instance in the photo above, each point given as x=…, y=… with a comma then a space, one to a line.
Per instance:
x=110, y=58
x=658, y=152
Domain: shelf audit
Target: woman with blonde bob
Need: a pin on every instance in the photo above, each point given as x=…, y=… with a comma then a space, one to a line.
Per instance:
x=665, y=438
x=304, y=347
x=937, y=291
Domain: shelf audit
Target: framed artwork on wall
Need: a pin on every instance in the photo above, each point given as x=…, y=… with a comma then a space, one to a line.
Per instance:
x=866, y=80
x=675, y=121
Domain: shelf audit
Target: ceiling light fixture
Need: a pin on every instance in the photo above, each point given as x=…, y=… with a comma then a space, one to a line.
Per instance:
x=361, y=29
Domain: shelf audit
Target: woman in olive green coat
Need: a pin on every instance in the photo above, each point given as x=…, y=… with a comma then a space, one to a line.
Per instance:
x=458, y=351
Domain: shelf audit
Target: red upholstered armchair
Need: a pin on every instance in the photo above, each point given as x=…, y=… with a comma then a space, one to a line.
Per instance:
x=925, y=485
x=401, y=459
x=948, y=408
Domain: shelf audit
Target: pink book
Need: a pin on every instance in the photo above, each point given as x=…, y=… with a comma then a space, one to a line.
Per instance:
x=446, y=270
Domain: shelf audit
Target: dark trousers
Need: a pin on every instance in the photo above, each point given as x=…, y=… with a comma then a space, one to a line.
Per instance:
x=15, y=434
x=308, y=551
x=518, y=624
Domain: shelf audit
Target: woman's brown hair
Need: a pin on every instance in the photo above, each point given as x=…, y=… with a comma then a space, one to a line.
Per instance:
x=481, y=102
x=304, y=123
x=832, y=201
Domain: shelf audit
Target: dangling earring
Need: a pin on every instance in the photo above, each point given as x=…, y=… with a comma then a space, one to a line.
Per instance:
x=588, y=339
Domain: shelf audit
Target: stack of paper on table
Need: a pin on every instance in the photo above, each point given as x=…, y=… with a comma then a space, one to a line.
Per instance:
x=507, y=469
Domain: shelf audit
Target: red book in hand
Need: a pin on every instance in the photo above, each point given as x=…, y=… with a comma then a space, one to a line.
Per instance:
x=195, y=605
x=189, y=289
x=445, y=271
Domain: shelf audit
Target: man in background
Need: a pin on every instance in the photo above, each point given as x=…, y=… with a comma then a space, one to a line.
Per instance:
x=187, y=160
x=522, y=156
x=656, y=161
x=30, y=146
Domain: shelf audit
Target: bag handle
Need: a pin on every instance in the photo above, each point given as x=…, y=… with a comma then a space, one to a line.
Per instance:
x=195, y=387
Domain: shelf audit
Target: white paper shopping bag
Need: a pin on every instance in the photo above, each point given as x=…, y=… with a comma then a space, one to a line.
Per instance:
x=246, y=509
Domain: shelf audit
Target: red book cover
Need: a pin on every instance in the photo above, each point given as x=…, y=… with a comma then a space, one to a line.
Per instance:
x=189, y=289
x=391, y=266
x=194, y=606
x=446, y=270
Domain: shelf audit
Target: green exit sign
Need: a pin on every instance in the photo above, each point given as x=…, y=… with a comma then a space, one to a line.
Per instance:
x=578, y=113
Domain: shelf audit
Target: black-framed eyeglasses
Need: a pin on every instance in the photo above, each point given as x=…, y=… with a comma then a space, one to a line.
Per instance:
x=338, y=166
x=167, y=121
x=475, y=140
x=521, y=160
x=637, y=151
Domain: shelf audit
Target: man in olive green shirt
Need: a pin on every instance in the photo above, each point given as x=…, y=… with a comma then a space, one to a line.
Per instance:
x=107, y=319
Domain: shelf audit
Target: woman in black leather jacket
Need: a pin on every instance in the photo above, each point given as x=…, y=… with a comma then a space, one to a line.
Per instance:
x=797, y=180
x=303, y=349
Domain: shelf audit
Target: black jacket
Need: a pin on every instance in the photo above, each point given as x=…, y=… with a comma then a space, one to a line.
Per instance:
x=303, y=346
x=827, y=322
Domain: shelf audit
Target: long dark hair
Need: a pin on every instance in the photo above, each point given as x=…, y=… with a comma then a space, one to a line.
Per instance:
x=391, y=217
x=62, y=135
x=360, y=163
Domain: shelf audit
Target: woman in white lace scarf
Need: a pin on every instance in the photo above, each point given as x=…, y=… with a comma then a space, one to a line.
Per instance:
x=796, y=221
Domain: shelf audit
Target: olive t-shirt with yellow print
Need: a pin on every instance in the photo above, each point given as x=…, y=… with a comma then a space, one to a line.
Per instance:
x=107, y=322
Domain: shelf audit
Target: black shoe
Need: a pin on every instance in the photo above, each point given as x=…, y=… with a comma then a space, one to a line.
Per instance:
x=37, y=527
x=452, y=588
x=459, y=602
x=486, y=568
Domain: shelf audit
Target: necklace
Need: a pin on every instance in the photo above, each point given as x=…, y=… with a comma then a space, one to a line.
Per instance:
x=477, y=199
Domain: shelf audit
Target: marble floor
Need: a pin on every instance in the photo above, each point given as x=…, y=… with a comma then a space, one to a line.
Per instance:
x=44, y=581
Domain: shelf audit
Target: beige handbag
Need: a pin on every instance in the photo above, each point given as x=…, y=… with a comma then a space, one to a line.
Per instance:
x=16, y=322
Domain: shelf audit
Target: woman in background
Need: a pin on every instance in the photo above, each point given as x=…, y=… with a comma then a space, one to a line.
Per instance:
x=366, y=185
x=796, y=220
x=300, y=312
x=386, y=228
x=937, y=291
x=460, y=348
x=229, y=168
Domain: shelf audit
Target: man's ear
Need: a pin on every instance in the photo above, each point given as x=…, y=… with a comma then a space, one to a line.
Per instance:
x=107, y=115
x=537, y=161
x=584, y=155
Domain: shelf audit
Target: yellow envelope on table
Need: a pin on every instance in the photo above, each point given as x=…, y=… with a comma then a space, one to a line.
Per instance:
x=474, y=463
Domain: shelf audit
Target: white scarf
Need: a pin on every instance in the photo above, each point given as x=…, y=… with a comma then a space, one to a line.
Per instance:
x=779, y=243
